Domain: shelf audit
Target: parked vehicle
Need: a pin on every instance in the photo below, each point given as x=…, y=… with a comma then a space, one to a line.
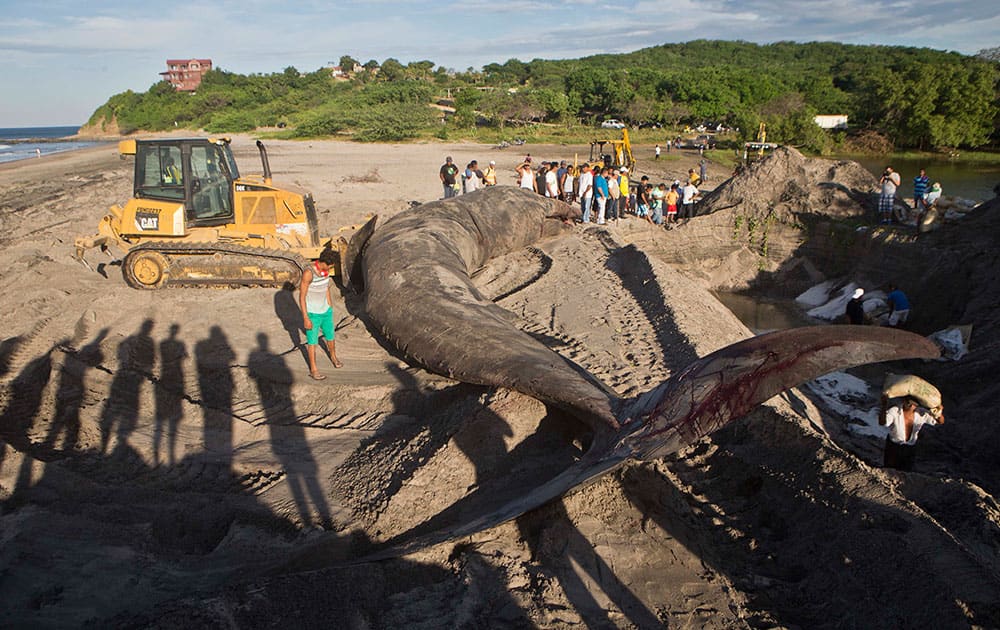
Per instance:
x=612, y=123
x=193, y=220
x=704, y=140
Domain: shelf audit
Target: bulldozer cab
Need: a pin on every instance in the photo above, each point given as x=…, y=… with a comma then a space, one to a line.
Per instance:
x=198, y=173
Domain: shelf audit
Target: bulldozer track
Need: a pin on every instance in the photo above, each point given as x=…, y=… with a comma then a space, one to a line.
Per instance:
x=286, y=266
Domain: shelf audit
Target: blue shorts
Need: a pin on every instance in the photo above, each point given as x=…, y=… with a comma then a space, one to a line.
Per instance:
x=322, y=322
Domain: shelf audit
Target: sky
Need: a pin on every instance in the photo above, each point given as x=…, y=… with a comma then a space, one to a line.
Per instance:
x=60, y=60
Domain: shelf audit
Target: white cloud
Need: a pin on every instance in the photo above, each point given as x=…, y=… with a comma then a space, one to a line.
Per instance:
x=93, y=50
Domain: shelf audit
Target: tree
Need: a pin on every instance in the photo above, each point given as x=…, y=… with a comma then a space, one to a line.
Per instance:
x=511, y=71
x=593, y=89
x=347, y=63
x=391, y=122
x=392, y=70
x=420, y=69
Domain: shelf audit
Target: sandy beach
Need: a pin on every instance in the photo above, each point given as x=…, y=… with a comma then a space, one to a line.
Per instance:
x=165, y=461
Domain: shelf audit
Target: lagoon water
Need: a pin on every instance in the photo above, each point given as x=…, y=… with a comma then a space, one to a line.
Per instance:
x=20, y=143
x=958, y=177
x=763, y=315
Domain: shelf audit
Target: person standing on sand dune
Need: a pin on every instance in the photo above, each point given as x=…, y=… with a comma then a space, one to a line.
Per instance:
x=904, y=421
x=561, y=180
x=567, y=184
x=525, y=176
x=448, y=175
x=551, y=178
x=614, y=195
x=855, y=310
x=317, y=309
x=688, y=194
x=643, y=202
x=600, y=194
x=657, y=195
x=586, y=190
x=472, y=178
x=490, y=174
x=899, y=307
x=921, y=183
x=671, y=199
x=887, y=195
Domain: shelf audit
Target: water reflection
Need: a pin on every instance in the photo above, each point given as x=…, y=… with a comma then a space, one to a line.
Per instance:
x=961, y=178
x=763, y=315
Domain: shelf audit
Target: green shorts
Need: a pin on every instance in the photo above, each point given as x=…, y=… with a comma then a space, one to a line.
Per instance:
x=322, y=323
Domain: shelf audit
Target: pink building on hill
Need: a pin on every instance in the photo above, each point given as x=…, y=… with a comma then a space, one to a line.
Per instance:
x=185, y=74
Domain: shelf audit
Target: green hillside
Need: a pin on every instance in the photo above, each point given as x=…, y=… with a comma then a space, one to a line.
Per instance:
x=911, y=97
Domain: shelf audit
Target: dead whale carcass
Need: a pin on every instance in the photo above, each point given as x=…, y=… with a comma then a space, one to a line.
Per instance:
x=420, y=294
x=417, y=269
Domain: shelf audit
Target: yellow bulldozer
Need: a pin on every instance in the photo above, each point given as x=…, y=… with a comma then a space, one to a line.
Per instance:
x=193, y=220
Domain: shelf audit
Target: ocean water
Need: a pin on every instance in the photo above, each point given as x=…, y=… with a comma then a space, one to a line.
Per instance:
x=21, y=143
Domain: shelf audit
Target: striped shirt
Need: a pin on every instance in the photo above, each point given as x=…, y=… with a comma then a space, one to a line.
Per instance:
x=316, y=295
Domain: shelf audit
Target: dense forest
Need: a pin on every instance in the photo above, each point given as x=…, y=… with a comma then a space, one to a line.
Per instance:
x=907, y=97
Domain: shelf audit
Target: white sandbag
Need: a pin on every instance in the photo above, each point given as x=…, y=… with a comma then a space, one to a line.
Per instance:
x=817, y=295
x=953, y=341
x=835, y=308
x=902, y=385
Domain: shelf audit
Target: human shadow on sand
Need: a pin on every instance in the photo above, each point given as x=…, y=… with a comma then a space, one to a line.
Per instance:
x=169, y=397
x=421, y=423
x=288, y=439
x=214, y=358
x=633, y=268
x=178, y=539
x=559, y=548
x=286, y=307
x=136, y=355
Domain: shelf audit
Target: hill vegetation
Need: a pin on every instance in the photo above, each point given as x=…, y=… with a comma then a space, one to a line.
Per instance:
x=911, y=97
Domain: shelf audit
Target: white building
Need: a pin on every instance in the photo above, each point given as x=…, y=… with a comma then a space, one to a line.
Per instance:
x=832, y=121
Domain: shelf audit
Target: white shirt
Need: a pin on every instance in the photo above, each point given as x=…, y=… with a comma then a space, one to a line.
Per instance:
x=587, y=184
x=689, y=192
x=471, y=181
x=551, y=184
x=568, y=184
x=526, y=178
x=890, y=183
x=897, y=425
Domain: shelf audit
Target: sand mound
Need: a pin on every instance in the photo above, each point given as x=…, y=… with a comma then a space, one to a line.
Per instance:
x=765, y=224
x=787, y=185
x=166, y=462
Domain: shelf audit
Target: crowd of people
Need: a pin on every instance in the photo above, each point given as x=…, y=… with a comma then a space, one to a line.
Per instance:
x=925, y=195
x=605, y=193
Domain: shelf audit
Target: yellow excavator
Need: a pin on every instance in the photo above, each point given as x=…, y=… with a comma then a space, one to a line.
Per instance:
x=193, y=220
x=621, y=152
x=756, y=149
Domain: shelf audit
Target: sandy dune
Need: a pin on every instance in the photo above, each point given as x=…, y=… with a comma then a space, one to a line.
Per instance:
x=166, y=462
